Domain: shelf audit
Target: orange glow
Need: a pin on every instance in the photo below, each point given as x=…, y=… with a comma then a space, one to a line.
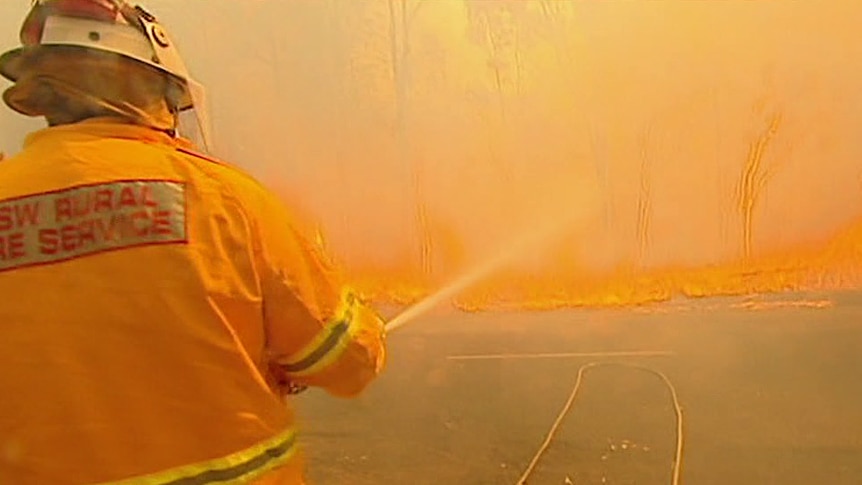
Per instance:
x=712, y=145
x=723, y=164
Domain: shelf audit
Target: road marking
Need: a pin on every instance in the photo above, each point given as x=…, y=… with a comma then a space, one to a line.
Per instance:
x=564, y=355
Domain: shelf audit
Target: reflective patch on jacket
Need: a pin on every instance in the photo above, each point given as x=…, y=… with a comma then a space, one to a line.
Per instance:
x=78, y=221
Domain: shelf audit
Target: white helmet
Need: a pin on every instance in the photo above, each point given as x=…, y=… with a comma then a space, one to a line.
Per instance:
x=111, y=26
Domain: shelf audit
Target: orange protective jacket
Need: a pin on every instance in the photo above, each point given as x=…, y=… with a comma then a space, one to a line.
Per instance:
x=154, y=304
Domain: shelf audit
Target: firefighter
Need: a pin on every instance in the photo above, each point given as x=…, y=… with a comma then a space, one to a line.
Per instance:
x=157, y=306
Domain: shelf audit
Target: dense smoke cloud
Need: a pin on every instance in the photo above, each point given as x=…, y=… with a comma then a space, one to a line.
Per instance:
x=421, y=133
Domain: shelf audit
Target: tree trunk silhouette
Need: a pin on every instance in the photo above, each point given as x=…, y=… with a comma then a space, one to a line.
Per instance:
x=644, y=204
x=753, y=180
x=400, y=18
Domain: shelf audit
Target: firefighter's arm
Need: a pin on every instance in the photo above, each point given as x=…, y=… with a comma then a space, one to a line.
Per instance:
x=318, y=332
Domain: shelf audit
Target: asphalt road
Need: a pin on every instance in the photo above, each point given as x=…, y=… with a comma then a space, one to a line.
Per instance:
x=771, y=396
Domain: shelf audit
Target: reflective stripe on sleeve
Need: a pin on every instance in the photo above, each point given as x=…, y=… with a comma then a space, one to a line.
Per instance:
x=237, y=468
x=328, y=345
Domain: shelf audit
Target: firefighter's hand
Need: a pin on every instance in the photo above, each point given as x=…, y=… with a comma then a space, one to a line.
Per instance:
x=281, y=382
x=293, y=388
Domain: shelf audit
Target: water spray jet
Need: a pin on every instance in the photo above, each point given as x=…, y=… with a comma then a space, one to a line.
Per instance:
x=550, y=230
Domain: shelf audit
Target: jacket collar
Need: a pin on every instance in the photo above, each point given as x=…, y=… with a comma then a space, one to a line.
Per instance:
x=105, y=127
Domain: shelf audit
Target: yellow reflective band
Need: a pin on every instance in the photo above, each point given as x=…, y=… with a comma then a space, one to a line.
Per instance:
x=238, y=468
x=338, y=338
x=328, y=344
